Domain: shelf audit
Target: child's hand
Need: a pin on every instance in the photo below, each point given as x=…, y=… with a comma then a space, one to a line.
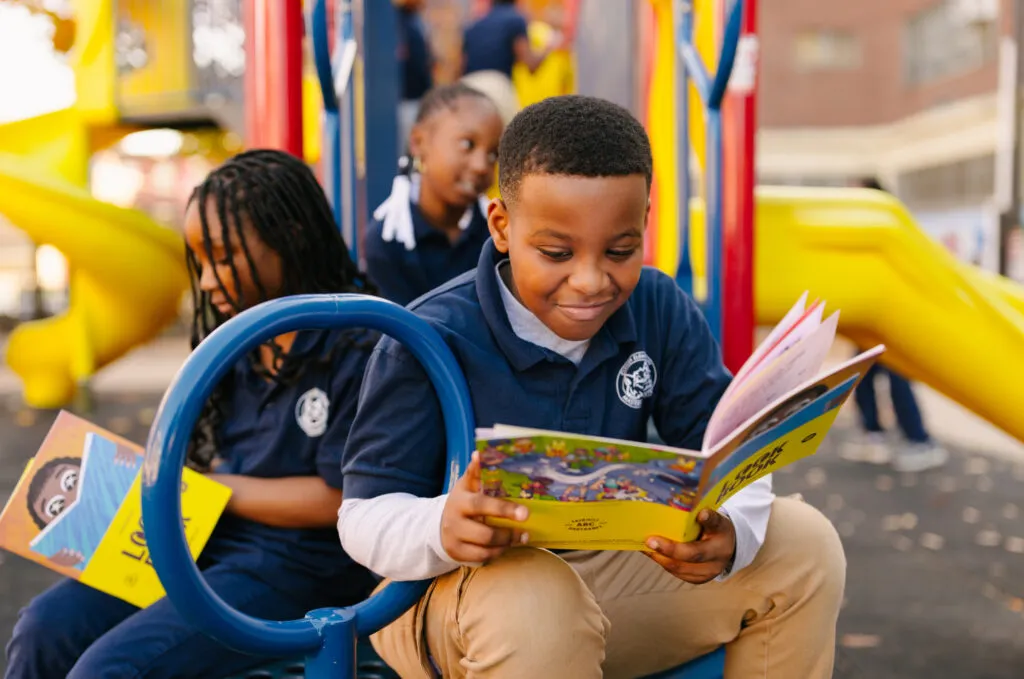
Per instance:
x=464, y=535
x=702, y=560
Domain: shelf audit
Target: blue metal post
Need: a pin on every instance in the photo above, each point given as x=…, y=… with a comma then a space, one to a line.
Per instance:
x=379, y=47
x=712, y=92
x=338, y=630
x=683, y=25
x=327, y=637
x=335, y=73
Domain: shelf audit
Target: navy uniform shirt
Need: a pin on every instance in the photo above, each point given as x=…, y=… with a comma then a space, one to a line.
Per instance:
x=655, y=357
x=403, y=275
x=272, y=430
x=488, y=44
x=414, y=55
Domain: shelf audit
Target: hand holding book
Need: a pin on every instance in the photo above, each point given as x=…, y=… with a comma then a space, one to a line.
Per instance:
x=464, y=535
x=702, y=560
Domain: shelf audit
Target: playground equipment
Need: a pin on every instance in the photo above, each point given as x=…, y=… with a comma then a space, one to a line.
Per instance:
x=127, y=274
x=944, y=323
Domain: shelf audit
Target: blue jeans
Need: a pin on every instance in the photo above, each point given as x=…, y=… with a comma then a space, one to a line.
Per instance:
x=908, y=415
x=74, y=631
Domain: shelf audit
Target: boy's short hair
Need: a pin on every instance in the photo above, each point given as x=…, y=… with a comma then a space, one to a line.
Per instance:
x=572, y=135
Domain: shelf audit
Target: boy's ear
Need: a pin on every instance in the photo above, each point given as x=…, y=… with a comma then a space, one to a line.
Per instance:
x=647, y=215
x=497, y=223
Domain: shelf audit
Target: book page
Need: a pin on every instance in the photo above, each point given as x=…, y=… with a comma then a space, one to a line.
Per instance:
x=781, y=329
x=782, y=372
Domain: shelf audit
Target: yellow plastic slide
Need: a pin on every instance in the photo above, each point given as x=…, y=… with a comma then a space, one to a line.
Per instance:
x=127, y=278
x=946, y=324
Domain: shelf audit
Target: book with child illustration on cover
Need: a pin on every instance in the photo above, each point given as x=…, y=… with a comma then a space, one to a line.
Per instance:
x=77, y=510
x=588, y=492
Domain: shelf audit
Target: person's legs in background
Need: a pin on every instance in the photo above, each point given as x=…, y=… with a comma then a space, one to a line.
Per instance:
x=920, y=451
x=867, y=444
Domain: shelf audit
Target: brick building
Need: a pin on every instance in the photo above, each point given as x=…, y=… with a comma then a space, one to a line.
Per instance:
x=912, y=91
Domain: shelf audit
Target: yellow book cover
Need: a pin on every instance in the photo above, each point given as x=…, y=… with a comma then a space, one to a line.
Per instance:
x=77, y=510
x=588, y=492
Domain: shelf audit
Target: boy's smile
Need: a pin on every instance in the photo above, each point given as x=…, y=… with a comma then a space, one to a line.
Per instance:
x=575, y=246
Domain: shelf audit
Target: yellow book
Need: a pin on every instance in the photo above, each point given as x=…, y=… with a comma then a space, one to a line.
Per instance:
x=77, y=510
x=589, y=492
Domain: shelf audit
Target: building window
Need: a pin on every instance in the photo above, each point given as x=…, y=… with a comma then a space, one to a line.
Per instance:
x=826, y=50
x=943, y=41
x=964, y=182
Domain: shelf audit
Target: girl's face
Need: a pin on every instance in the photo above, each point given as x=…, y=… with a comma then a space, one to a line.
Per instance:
x=240, y=275
x=457, y=148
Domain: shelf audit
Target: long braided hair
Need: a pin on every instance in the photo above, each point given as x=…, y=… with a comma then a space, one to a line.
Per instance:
x=280, y=197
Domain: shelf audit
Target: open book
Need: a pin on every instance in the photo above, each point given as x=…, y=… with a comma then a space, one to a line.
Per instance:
x=78, y=510
x=588, y=492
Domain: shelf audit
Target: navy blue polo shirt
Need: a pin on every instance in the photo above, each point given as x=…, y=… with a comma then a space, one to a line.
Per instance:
x=274, y=430
x=414, y=55
x=654, y=357
x=403, y=275
x=488, y=44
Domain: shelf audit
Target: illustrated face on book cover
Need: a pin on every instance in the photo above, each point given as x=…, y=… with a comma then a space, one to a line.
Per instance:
x=54, y=488
x=575, y=246
x=73, y=500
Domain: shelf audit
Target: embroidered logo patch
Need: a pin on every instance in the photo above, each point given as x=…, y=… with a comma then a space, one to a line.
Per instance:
x=311, y=412
x=636, y=379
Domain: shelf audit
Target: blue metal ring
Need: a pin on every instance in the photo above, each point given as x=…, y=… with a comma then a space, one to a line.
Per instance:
x=180, y=408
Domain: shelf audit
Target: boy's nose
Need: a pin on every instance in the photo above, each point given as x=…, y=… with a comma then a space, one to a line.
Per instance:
x=588, y=279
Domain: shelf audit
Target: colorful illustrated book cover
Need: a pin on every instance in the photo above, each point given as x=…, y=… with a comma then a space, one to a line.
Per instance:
x=587, y=492
x=77, y=510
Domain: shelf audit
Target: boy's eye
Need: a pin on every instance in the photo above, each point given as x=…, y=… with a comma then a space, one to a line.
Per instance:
x=68, y=480
x=492, y=157
x=621, y=254
x=556, y=255
x=54, y=506
x=466, y=144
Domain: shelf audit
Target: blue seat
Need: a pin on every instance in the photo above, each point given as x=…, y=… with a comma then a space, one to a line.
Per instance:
x=370, y=666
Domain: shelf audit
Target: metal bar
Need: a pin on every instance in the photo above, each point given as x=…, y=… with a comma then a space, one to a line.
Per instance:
x=683, y=22
x=727, y=56
x=712, y=92
x=349, y=196
x=713, y=211
x=273, y=75
x=337, y=657
x=331, y=133
x=176, y=417
x=379, y=44
x=694, y=67
x=739, y=209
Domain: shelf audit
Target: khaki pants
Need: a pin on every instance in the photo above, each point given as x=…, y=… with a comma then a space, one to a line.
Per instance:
x=531, y=614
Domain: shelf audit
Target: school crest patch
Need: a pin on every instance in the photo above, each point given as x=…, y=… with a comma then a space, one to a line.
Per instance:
x=312, y=411
x=636, y=380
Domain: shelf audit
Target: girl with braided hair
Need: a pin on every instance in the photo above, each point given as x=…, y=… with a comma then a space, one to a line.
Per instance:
x=259, y=227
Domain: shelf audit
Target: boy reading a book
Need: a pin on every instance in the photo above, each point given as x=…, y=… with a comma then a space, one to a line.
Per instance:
x=562, y=328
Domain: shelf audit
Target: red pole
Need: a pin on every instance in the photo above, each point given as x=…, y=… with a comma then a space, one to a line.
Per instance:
x=273, y=75
x=740, y=128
